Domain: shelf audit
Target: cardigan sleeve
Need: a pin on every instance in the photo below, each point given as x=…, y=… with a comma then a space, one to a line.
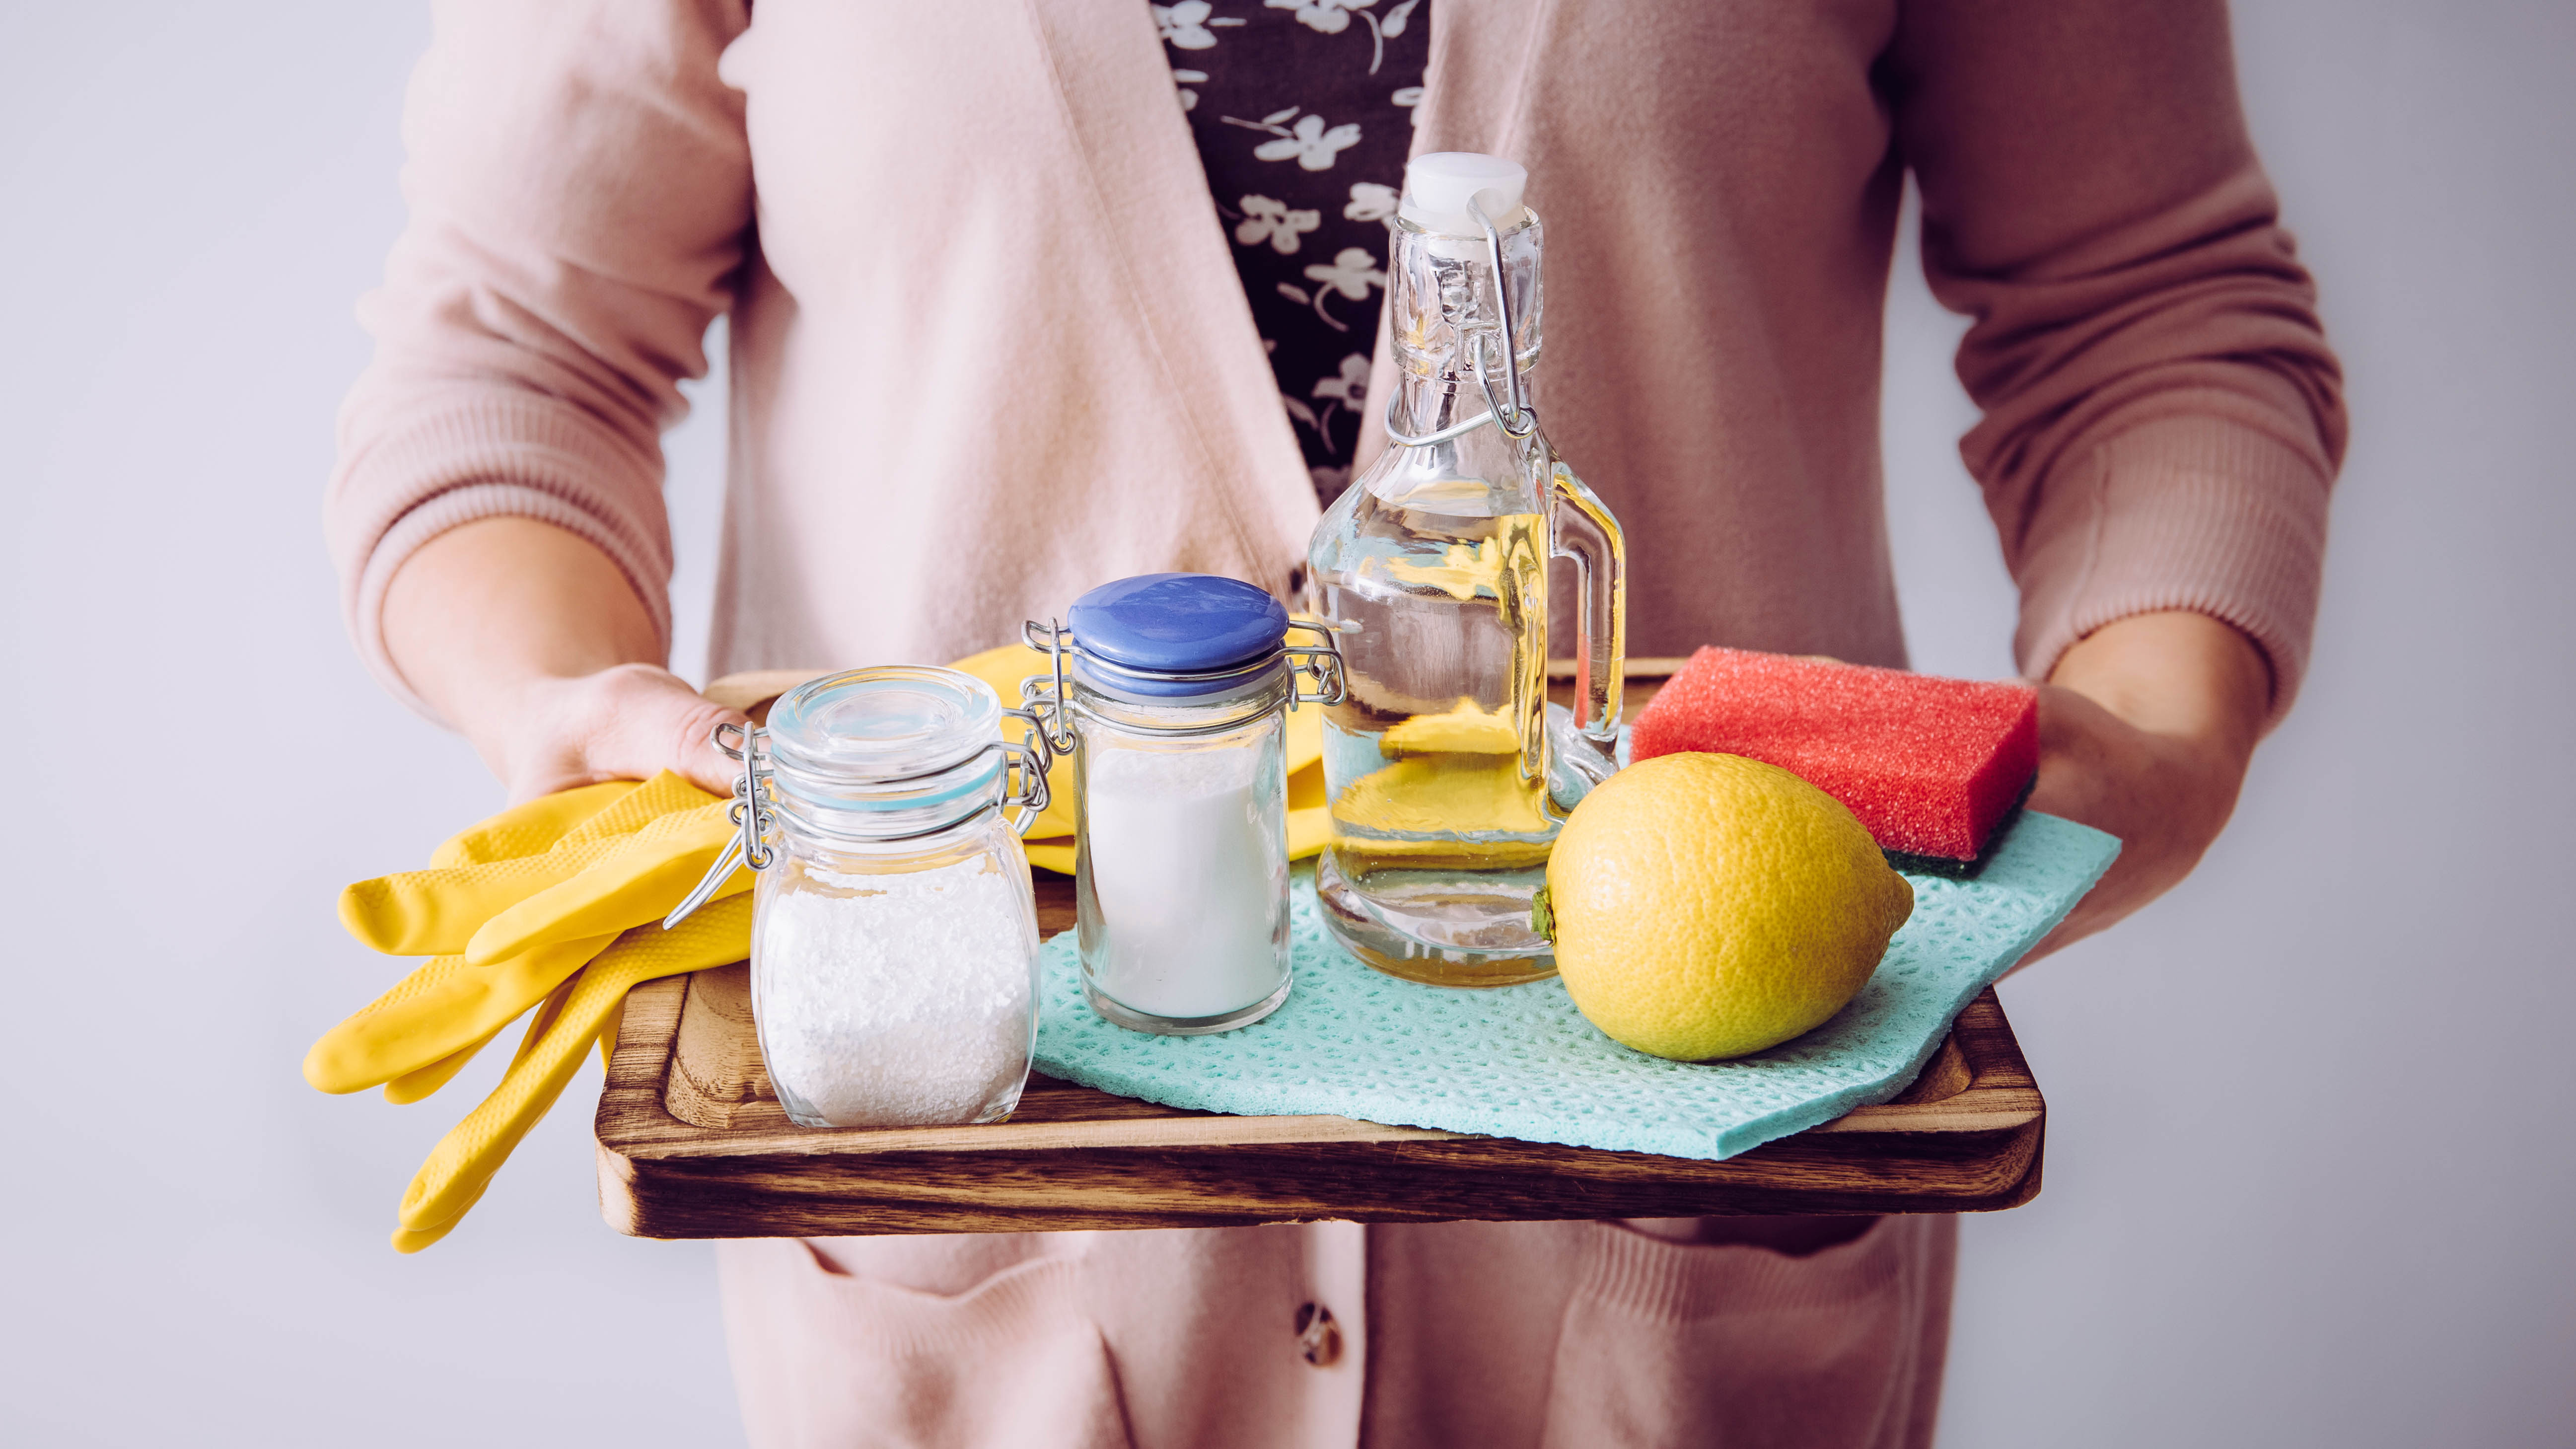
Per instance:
x=2162, y=416
x=580, y=201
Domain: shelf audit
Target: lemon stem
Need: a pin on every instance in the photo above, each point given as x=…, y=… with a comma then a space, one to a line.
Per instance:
x=1543, y=916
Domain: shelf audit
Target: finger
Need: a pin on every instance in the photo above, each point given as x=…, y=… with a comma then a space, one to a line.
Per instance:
x=644, y=722
x=466, y=1158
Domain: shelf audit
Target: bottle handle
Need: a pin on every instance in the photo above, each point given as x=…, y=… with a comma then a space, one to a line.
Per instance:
x=1580, y=528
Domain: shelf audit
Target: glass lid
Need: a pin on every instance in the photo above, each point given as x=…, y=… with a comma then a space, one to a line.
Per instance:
x=884, y=724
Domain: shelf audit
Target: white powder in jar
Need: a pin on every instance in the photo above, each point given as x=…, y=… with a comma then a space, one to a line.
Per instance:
x=895, y=1000
x=1188, y=864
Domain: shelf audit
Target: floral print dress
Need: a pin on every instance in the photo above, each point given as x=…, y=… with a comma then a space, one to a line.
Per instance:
x=1303, y=113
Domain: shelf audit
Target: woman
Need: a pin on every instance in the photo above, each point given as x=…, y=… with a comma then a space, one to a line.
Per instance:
x=1000, y=280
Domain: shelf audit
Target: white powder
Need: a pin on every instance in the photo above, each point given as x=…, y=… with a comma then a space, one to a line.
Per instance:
x=1188, y=867
x=895, y=1000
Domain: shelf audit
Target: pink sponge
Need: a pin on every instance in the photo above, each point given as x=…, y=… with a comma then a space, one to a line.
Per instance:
x=1929, y=765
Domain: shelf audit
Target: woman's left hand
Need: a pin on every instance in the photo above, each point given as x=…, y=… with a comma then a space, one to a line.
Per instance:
x=2145, y=729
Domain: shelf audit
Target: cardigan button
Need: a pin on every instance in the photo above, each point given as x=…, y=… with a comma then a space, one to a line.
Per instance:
x=1319, y=1338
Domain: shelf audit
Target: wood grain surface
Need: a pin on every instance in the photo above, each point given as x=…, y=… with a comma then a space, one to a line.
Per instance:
x=692, y=1142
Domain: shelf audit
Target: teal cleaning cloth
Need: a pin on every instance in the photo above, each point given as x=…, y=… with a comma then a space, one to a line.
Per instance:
x=1520, y=1061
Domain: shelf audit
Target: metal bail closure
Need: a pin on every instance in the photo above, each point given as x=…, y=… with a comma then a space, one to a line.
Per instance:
x=1027, y=760
x=749, y=814
x=1153, y=648
x=1517, y=419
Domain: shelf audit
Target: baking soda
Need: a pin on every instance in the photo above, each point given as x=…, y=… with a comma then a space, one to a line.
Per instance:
x=896, y=1000
x=1187, y=862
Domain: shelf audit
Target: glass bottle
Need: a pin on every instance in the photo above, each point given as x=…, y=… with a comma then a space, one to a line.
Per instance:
x=1433, y=569
x=1171, y=692
x=894, y=941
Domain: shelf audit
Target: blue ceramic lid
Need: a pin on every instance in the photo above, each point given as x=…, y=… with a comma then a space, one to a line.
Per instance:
x=1178, y=623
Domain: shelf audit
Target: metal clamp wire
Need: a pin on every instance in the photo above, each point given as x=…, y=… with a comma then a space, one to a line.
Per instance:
x=1399, y=438
x=1321, y=662
x=1037, y=688
x=1030, y=758
x=749, y=818
x=1053, y=640
x=1517, y=419
x=1520, y=409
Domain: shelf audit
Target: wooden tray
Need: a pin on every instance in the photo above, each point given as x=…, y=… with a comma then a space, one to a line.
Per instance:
x=693, y=1144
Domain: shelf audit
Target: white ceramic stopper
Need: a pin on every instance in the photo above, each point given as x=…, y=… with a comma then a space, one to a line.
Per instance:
x=1437, y=187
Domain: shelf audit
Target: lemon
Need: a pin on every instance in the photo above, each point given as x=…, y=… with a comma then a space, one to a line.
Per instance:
x=1709, y=905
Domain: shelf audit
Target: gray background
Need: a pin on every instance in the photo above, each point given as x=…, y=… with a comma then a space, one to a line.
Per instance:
x=2309, y=1154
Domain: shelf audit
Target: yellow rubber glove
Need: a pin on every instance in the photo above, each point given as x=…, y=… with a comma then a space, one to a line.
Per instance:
x=602, y=875
x=417, y=1085
x=639, y=879
x=445, y=1009
x=532, y=828
x=559, y=1036
x=1003, y=669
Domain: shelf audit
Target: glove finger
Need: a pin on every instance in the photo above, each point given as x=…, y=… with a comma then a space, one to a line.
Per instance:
x=436, y=1011
x=529, y=829
x=467, y=1157
x=412, y=1240
x=436, y=912
x=665, y=794
x=413, y=1086
x=640, y=880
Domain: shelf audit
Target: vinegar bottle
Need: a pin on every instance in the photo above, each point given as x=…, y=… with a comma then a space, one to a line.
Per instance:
x=1432, y=568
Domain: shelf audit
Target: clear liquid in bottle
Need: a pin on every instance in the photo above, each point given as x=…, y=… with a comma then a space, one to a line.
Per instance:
x=1433, y=569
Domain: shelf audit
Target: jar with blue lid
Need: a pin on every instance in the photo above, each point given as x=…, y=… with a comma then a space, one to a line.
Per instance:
x=1170, y=691
x=894, y=941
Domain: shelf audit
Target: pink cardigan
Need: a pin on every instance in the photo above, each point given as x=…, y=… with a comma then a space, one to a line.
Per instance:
x=989, y=350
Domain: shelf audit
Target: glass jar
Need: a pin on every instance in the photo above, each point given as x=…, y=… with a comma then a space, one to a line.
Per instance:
x=1432, y=566
x=1171, y=692
x=894, y=940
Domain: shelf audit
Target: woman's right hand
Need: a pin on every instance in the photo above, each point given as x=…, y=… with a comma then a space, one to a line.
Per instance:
x=533, y=645
x=626, y=722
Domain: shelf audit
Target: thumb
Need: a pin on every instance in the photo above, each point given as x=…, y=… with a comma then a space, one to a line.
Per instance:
x=631, y=723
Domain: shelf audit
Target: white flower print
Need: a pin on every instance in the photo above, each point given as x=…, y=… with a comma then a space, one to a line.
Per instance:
x=1407, y=96
x=1184, y=26
x=1351, y=388
x=1276, y=223
x=1331, y=17
x=1343, y=394
x=1351, y=273
x=1311, y=143
x=1370, y=202
x=1185, y=79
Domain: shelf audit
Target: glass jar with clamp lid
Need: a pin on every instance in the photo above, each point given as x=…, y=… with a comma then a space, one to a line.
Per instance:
x=1170, y=692
x=894, y=941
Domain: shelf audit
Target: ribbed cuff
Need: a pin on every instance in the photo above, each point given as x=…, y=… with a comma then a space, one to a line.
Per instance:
x=2193, y=512
x=487, y=457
